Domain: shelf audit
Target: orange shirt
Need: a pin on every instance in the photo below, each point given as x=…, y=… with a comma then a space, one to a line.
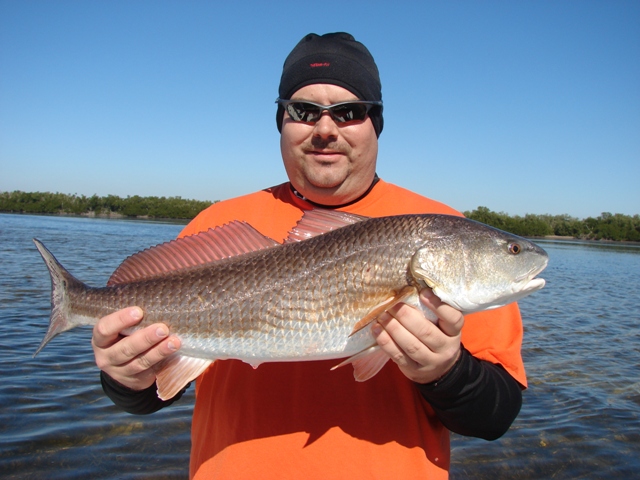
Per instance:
x=302, y=420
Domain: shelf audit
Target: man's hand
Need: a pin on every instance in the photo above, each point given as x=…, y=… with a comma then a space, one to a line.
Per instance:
x=129, y=359
x=423, y=350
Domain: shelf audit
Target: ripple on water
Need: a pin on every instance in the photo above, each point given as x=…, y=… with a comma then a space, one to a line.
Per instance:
x=581, y=349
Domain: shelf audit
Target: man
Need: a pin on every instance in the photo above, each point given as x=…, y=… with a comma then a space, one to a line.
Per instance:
x=300, y=419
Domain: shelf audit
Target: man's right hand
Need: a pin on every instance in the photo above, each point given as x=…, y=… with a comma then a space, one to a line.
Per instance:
x=129, y=359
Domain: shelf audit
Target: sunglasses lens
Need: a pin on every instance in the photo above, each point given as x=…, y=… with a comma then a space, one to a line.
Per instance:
x=303, y=112
x=349, y=112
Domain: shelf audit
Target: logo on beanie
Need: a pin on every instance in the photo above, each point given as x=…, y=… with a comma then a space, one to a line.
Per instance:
x=319, y=64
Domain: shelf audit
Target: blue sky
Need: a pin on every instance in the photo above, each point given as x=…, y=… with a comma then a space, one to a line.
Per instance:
x=519, y=106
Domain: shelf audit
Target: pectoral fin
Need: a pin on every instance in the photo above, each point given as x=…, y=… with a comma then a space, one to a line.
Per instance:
x=408, y=294
x=173, y=373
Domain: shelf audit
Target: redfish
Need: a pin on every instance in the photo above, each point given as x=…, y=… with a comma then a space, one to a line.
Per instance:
x=231, y=292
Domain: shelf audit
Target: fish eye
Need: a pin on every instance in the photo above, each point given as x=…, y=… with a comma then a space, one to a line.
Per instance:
x=515, y=248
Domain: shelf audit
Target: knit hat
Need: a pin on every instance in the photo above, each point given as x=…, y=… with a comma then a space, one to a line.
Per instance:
x=337, y=59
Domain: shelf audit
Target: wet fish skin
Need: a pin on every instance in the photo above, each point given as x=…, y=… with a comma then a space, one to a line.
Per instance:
x=308, y=300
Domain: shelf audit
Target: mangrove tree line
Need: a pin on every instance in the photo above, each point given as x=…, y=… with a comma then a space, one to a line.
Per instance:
x=111, y=205
x=606, y=226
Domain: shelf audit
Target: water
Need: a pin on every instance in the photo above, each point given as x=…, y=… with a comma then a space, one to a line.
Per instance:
x=54, y=420
x=582, y=352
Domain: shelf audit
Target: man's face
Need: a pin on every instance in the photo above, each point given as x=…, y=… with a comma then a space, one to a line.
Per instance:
x=329, y=163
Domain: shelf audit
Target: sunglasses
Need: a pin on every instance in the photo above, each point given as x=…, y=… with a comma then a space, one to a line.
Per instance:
x=303, y=111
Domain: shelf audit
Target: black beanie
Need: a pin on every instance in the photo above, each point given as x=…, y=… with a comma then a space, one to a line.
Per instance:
x=337, y=59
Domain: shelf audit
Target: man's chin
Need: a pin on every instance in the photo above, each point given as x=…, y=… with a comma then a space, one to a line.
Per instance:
x=329, y=183
x=329, y=196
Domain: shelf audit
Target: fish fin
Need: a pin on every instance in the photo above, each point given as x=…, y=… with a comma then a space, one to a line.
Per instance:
x=318, y=221
x=61, y=280
x=230, y=240
x=374, y=313
x=406, y=295
x=173, y=373
x=413, y=300
x=366, y=363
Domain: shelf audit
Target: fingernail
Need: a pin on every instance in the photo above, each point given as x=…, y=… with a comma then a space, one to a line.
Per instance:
x=376, y=329
x=161, y=332
x=136, y=313
x=172, y=346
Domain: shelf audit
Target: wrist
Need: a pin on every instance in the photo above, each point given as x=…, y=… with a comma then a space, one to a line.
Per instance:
x=449, y=372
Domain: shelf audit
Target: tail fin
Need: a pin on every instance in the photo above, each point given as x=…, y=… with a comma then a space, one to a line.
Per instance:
x=61, y=280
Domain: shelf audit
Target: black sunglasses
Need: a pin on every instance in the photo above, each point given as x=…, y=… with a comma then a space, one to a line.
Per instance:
x=304, y=111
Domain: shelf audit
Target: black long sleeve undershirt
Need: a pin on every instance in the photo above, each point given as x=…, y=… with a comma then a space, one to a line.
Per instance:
x=475, y=398
x=138, y=402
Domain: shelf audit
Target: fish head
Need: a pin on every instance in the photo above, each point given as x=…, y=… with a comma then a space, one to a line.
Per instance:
x=475, y=267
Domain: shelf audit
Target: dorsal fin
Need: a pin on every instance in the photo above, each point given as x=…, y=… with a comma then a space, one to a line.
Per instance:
x=235, y=238
x=318, y=221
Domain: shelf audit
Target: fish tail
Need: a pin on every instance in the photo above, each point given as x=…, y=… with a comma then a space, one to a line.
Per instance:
x=61, y=280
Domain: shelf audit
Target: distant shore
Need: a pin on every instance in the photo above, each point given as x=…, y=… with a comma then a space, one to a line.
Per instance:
x=607, y=226
x=110, y=206
x=184, y=221
x=105, y=216
x=562, y=238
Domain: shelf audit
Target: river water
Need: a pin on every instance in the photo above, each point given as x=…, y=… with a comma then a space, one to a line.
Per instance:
x=582, y=352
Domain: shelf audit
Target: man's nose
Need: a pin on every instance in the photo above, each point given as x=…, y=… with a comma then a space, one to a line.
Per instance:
x=326, y=126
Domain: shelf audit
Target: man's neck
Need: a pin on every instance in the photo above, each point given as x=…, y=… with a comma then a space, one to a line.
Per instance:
x=320, y=205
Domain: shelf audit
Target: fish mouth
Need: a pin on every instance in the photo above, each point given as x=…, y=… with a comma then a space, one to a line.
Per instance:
x=530, y=277
x=534, y=284
x=532, y=272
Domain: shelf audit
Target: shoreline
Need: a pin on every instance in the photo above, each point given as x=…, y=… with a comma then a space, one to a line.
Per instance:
x=111, y=216
x=119, y=216
x=560, y=238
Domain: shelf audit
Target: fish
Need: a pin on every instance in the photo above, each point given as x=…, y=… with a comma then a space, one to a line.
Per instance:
x=233, y=293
